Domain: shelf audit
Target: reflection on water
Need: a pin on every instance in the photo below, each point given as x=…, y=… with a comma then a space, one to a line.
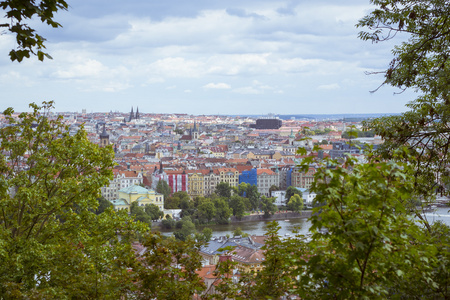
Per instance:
x=441, y=214
x=256, y=228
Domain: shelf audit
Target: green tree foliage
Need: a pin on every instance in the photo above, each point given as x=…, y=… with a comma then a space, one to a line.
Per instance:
x=371, y=248
x=295, y=203
x=307, y=131
x=153, y=212
x=223, y=211
x=178, y=131
x=253, y=196
x=168, y=223
x=172, y=202
x=273, y=188
x=292, y=191
x=185, y=200
x=163, y=188
x=198, y=200
x=103, y=205
x=53, y=245
x=223, y=189
x=187, y=229
x=420, y=62
x=267, y=205
x=18, y=14
x=238, y=232
x=225, y=286
x=145, y=214
x=237, y=205
x=241, y=189
x=357, y=133
x=168, y=269
x=206, y=211
x=205, y=236
x=371, y=243
x=138, y=213
x=276, y=279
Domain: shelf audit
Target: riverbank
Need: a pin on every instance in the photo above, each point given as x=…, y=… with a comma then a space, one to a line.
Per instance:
x=277, y=216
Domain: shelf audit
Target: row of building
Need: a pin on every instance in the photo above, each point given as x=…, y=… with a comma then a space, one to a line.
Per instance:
x=203, y=182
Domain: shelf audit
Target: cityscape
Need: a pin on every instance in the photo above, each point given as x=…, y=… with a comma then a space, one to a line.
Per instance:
x=195, y=153
x=224, y=149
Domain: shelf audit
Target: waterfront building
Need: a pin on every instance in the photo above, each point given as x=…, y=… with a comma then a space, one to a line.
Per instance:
x=211, y=180
x=137, y=194
x=228, y=175
x=303, y=180
x=196, y=182
x=285, y=177
x=265, y=179
x=249, y=177
x=280, y=197
x=177, y=180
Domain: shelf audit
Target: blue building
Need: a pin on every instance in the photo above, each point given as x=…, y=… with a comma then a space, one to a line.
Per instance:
x=250, y=177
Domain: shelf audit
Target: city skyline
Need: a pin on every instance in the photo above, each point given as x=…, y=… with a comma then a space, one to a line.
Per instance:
x=205, y=57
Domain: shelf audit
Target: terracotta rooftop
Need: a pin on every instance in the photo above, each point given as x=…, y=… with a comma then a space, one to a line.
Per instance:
x=267, y=171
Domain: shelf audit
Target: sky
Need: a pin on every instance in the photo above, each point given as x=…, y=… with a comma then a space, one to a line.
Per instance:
x=205, y=57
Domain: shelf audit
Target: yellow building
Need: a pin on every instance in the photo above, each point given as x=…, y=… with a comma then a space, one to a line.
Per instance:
x=218, y=154
x=229, y=175
x=211, y=180
x=140, y=195
x=196, y=183
x=204, y=182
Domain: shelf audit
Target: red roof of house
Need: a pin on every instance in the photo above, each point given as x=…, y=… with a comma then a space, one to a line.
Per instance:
x=267, y=171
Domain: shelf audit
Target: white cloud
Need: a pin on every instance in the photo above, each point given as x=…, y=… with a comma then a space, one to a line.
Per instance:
x=256, y=87
x=152, y=80
x=112, y=87
x=333, y=86
x=139, y=48
x=248, y=90
x=220, y=86
x=14, y=78
x=81, y=69
x=177, y=67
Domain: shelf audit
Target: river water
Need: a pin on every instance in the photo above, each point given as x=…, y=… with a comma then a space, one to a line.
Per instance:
x=302, y=225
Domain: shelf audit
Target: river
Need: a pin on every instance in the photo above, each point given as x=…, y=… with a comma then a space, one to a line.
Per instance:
x=440, y=214
x=302, y=225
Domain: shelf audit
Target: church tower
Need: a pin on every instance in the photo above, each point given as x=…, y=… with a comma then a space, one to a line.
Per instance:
x=104, y=138
x=137, y=114
x=195, y=132
x=291, y=138
x=131, y=115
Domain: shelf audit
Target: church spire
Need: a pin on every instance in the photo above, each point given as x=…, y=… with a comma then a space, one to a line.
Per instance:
x=104, y=137
x=194, y=132
x=131, y=115
x=137, y=113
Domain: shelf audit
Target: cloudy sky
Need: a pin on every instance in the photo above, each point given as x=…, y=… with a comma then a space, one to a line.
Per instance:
x=205, y=57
